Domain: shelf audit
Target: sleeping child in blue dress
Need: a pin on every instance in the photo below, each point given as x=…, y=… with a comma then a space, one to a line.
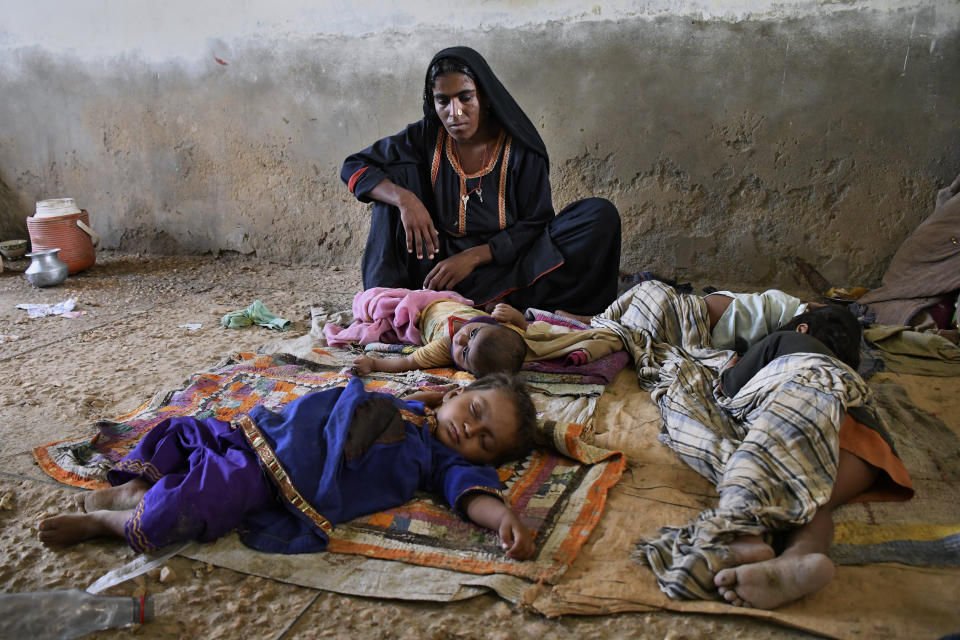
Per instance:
x=283, y=479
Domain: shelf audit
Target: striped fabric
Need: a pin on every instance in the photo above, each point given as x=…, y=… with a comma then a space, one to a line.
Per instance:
x=771, y=450
x=658, y=326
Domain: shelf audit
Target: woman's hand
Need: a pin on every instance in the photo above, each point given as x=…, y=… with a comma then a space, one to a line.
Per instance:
x=510, y=315
x=448, y=273
x=418, y=226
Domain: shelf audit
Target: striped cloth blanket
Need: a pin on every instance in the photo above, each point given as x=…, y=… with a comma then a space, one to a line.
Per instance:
x=771, y=450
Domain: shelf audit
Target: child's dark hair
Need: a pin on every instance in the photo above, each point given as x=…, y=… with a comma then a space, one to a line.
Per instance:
x=514, y=387
x=500, y=349
x=835, y=327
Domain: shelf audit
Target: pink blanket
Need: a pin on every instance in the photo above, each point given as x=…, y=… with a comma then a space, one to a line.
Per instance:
x=385, y=314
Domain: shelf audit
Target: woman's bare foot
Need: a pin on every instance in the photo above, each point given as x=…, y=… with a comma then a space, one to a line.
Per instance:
x=72, y=528
x=119, y=498
x=769, y=584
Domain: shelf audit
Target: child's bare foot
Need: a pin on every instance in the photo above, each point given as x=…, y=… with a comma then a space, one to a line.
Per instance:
x=72, y=528
x=119, y=498
x=769, y=584
x=751, y=549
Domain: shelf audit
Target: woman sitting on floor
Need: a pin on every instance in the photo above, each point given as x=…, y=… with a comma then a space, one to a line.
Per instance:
x=462, y=201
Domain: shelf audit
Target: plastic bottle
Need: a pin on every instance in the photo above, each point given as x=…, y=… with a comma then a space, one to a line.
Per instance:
x=68, y=613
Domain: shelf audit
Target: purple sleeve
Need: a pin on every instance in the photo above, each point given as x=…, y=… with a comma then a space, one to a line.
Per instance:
x=364, y=170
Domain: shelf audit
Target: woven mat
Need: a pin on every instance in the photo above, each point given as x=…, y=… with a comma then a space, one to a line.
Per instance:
x=925, y=530
x=560, y=497
x=885, y=598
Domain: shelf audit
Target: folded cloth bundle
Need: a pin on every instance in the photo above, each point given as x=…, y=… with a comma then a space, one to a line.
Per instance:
x=256, y=313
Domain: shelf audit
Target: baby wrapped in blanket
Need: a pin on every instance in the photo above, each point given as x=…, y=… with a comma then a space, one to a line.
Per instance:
x=452, y=332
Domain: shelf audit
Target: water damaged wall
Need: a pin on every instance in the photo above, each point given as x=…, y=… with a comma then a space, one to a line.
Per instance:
x=729, y=139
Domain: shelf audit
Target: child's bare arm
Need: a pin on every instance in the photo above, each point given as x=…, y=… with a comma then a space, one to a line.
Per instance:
x=363, y=365
x=489, y=512
x=429, y=398
x=505, y=313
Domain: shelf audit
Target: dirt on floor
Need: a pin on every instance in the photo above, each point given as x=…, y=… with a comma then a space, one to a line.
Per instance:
x=60, y=374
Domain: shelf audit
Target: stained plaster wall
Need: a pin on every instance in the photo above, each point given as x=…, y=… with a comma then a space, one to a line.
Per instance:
x=729, y=138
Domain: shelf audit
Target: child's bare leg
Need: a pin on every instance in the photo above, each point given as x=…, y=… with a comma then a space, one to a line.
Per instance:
x=750, y=549
x=72, y=528
x=803, y=567
x=119, y=498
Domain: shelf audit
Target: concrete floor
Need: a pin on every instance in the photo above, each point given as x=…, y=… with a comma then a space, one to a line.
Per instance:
x=61, y=374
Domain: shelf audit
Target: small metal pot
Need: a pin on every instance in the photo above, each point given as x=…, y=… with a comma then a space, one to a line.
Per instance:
x=46, y=268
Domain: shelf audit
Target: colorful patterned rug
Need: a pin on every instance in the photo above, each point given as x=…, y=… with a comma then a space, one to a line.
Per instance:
x=560, y=496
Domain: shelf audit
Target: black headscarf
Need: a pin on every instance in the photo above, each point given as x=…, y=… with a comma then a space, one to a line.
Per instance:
x=502, y=104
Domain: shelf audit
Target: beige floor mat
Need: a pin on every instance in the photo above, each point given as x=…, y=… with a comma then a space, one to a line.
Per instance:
x=877, y=600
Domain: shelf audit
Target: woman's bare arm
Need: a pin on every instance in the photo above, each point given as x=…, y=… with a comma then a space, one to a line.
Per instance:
x=417, y=223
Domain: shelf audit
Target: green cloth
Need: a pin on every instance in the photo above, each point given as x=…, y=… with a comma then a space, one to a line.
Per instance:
x=256, y=313
x=905, y=351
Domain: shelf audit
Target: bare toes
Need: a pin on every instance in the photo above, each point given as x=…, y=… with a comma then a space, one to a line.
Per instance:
x=725, y=578
x=47, y=532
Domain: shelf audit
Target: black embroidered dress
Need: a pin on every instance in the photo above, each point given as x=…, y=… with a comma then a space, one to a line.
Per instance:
x=568, y=261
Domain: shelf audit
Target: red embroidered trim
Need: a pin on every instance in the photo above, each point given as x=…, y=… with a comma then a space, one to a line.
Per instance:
x=502, y=200
x=352, y=183
x=455, y=163
x=484, y=170
x=435, y=164
x=497, y=297
x=462, y=210
x=450, y=322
